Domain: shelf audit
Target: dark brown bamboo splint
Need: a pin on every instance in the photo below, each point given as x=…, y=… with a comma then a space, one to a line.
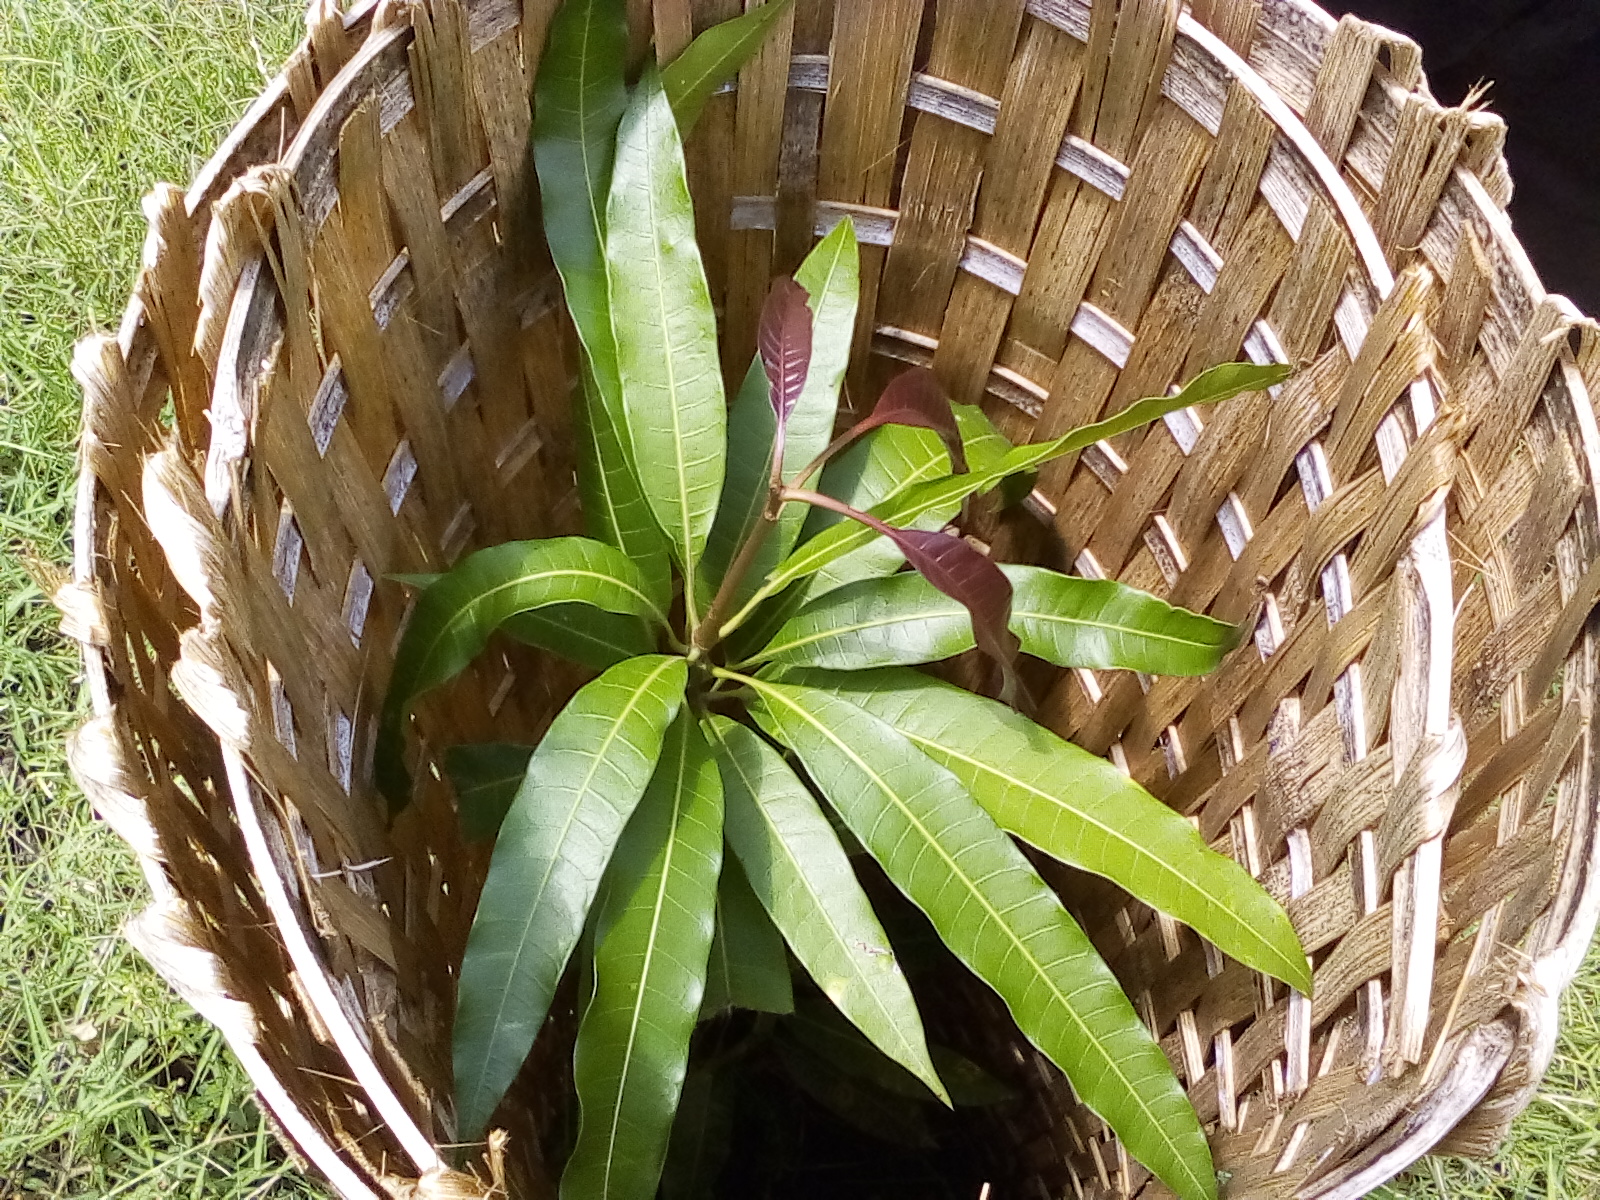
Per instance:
x=1062, y=206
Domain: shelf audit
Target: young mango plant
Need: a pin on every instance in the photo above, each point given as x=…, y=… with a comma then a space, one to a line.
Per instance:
x=743, y=594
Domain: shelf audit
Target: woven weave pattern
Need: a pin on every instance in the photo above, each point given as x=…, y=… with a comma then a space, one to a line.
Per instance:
x=1062, y=207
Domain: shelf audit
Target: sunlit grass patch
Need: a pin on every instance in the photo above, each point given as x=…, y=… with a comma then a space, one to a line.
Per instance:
x=109, y=1085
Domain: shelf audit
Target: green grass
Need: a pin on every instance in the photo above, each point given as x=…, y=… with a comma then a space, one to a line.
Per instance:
x=1554, y=1149
x=110, y=1086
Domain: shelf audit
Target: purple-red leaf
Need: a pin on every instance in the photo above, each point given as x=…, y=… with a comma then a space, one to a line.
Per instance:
x=914, y=397
x=968, y=576
x=965, y=574
x=785, y=343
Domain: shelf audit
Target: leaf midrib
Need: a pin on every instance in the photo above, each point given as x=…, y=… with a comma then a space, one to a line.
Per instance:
x=1127, y=630
x=838, y=934
x=596, y=216
x=452, y=623
x=572, y=813
x=925, y=743
x=644, y=971
x=669, y=363
x=1016, y=942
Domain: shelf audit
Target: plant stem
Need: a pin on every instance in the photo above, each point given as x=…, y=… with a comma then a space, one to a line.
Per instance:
x=724, y=600
x=838, y=444
x=743, y=615
x=704, y=636
x=802, y=496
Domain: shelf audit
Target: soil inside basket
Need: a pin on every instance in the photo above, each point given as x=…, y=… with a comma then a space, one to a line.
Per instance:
x=789, y=1147
x=799, y=1134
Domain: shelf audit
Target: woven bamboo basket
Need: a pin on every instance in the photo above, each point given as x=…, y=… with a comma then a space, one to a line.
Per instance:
x=346, y=356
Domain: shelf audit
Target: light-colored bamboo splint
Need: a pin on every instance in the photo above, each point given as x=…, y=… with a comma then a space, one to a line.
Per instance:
x=346, y=357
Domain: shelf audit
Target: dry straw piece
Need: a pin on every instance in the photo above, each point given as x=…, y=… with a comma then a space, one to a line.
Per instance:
x=346, y=357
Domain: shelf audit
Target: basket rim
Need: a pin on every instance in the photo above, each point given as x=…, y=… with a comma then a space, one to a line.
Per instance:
x=1547, y=977
x=154, y=929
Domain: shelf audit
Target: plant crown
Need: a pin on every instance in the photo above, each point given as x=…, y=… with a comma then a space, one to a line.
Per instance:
x=754, y=595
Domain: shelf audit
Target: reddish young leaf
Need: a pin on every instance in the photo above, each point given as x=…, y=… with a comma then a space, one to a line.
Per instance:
x=785, y=343
x=968, y=576
x=914, y=397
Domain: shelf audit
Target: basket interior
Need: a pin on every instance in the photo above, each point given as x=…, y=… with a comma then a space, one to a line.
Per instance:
x=1062, y=207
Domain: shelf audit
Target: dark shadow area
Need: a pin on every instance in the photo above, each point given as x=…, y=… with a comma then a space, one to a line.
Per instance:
x=1541, y=59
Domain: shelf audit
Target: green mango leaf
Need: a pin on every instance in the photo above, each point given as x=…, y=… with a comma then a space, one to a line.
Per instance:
x=970, y=1085
x=967, y=575
x=752, y=428
x=666, y=331
x=901, y=620
x=1080, y=809
x=875, y=560
x=1071, y=622
x=614, y=510
x=831, y=275
x=748, y=968
x=588, y=636
x=715, y=57
x=996, y=914
x=486, y=778
x=820, y=1029
x=1075, y=622
x=1209, y=387
x=863, y=475
x=883, y=465
x=454, y=617
x=581, y=786
x=894, y=459
x=651, y=942
x=868, y=1109
x=915, y=397
x=702, y=1132
x=579, y=97
x=803, y=878
x=417, y=580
